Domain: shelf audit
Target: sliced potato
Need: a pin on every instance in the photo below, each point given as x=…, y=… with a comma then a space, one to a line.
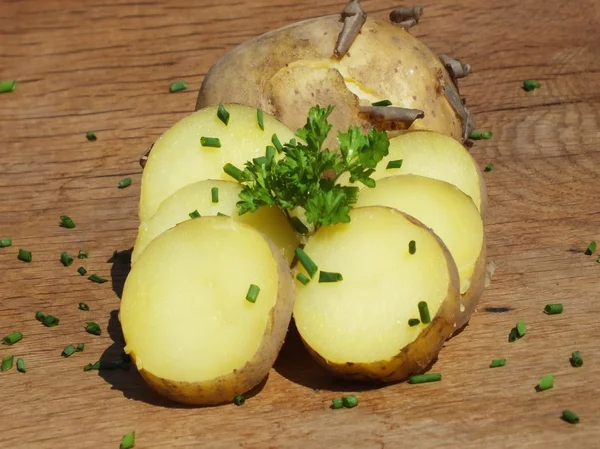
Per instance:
x=178, y=158
x=198, y=196
x=358, y=327
x=188, y=326
x=449, y=213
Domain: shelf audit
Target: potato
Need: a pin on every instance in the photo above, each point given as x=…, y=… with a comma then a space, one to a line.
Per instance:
x=178, y=158
x=358, y=328
x=289, y=70
x=198, y=196
x=187, y=324
x=449, y=213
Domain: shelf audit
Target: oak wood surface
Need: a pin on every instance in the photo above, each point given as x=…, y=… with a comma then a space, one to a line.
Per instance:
x=106, y=66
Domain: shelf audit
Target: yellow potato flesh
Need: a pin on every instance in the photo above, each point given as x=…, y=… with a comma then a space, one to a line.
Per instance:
x=178, y=158
x=364, y=318
x=198, y=196
x=184, y=313
x=440, y=206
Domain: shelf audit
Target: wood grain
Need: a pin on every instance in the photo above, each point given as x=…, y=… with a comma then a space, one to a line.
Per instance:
x=106, y=66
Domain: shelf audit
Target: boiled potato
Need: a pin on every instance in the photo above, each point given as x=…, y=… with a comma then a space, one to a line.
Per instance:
x=178, y=158
x=188, y=326
x=449, y=213
x=358, y=327
x=289, y=70
x=198, y=196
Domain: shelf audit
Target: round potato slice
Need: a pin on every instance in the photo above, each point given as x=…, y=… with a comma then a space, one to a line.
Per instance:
x=358, y=327
x=449, y=213
x=188, y=325
x=199, y=197
x=178, y=157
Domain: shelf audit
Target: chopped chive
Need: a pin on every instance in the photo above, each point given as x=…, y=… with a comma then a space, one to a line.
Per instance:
x=382, y=103
x=513, y=335
x=327, y=276
x=40, y=316
x=177, y=86
x=479, y=135
x=302, y=278
x=496, y=363
x=576, y=359
x=24, y=255
x=310, y=267
x=570, y=417
x=12, y=338
x=82, y=271
x=97, y=279
x=591, y=248
x=412, y=247
x=424, y=378
x=529, y=85
x=252, y=294
x=521, y=328
x=424, y=312
x=277, y=143
x=21, y=366
x=4, y=243
x=234, y=172
x=546, y=382
x=66, y=259
x=337, y=403
x=80, y=347
x=7, y=362
x=270, y=153
x=83, y=254
x=211, y=142
x=107, y=365
x=349, y=401
x=553, y=309
x=261, y=160
x=91, y=136
x=223, y=114
x=88, y=367
x=128, y=441
x=214, y=194
x=299, y=226
x=68, y=351
x=50, y=321
x=67, y=222
x=239, y=400
x=194, y=214
x=487, y=135
x=83, y=306
x=488, y=168
x=219, y=214
x=125, y=182
x=93, y=328
x=413, y=322
x=394, y=164
x=8, y=86
x=261, y=119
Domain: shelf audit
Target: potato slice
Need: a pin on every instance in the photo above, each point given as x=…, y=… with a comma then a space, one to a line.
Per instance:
x=178, y=158
x=188, y=326
x=358, y=327
x=451, y=215
x=198, y=196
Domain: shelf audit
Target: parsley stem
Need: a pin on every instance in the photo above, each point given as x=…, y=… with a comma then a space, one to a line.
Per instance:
x=6, y=242
x=8, y=86
x=12, y=338
x=424, y=378
x=308, y=264
x=223, y=114
x=24, y=255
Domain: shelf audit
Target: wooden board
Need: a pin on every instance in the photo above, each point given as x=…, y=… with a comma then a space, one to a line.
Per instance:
x=106, y=66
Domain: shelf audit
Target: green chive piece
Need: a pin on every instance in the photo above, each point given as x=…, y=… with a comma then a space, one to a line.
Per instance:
x=40, y=316
x=24, y=255
x=570, y=417
x=327, y=276
x=476, y=135
x=302, y=278
x=553, y=309
x=529, y=85
x=21, y=366
x=413, y=322
x=128, y=441
x=88, y=367
x=394, y=164
x=424, y=312
x=7, y=362
x=239, y=400
x=496, y=363
x=234, y=172
x=424, y=378
x=93, y=328
x=177, y=86
x=50, y=321
x=8, y=86
x=219, y=214
x=546, y=382
x=576, y=359
x=66, y=259
x=91, y=136
x=211, y=142
x=97, y=279
x=68, y=351
x=591, y=248
x=487, y=135
x=277, y=143
x=270, y=153
x=382, y=103
x=194, y=214
x=337, y=403
x=513, y=335
x=521, y=328
x=223, y=114
x=67, y=222
x=125, y=182
x=488, y=168
x=261, y=160
x=412, y=247
x=299, y=226
x=214, y=194
x=261, y=119
x=83, y=306
x=12, y=338
x=5, y=243
x=83, y=254
x=349, y=401
x=80, y=347
x=82, y=271
x=310, y=267
x=252, y=294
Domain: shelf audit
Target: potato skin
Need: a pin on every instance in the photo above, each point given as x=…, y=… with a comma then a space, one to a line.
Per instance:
x=385, y=61
x=225, y=388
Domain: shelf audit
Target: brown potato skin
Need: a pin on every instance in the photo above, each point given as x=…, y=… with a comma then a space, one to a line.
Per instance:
x=224, y=389
x=418, y=355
